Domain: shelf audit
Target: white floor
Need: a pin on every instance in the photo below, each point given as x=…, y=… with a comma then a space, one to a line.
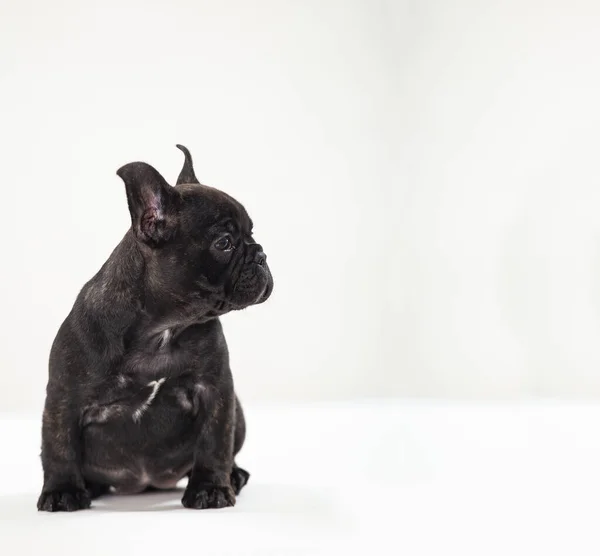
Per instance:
x=406, y=478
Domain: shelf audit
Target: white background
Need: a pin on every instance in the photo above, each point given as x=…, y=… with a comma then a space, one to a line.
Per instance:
x=423, y=176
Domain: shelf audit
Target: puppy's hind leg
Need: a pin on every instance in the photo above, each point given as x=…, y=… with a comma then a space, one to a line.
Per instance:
x=95, y=490
x=239, y=478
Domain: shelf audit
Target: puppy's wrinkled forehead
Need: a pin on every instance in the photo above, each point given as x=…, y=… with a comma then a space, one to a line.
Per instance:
x=206, y=209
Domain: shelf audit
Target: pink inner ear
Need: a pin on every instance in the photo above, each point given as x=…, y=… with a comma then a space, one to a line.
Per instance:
x=150, y=222
x=152, y=216
x=153, y=204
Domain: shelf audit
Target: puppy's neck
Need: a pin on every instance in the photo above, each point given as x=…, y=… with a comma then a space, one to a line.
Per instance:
x=118, y=283
x=133, y=306
x=130, y=282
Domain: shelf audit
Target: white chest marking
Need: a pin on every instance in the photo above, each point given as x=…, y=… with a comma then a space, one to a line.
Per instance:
x=137, y=414
x=164, y=338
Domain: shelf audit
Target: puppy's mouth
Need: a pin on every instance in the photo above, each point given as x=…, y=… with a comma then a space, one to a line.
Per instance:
x=268, y=287
x=253, y=287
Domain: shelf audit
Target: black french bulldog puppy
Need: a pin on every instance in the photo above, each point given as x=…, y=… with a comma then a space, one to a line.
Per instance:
x=140, y=394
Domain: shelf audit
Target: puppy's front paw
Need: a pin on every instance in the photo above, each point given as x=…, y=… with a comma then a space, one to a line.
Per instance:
x=208, y=496
x=66, y=499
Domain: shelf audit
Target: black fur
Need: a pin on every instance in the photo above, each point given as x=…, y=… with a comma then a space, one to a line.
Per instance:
x=140, y=393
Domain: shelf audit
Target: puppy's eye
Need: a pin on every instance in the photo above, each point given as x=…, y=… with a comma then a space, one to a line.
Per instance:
x=224, y=244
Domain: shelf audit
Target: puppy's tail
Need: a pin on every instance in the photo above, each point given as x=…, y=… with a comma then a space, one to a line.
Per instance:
x=187, y=174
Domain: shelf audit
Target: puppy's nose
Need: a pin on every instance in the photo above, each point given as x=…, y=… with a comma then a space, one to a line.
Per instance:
x=260, y=258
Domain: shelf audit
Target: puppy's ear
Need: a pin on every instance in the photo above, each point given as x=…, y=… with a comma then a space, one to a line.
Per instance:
x=152, y=202
x=187, y=174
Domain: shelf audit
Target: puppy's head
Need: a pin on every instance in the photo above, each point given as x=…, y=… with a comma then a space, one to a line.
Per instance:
x=197, y=242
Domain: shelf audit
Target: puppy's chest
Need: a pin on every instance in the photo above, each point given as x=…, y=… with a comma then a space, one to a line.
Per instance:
x=141, y=367
x=153, y=356
x=161, y=384
x=135, y=399
x=157, y=375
